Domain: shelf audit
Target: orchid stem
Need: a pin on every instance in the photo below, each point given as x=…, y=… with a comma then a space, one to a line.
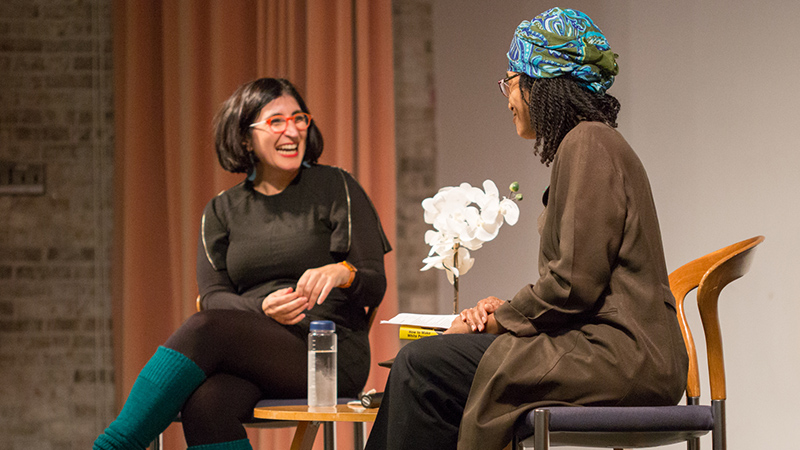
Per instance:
x=455, y=279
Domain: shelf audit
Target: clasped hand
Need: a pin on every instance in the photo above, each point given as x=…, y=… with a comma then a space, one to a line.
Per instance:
x=478, y=319
x=287, y=305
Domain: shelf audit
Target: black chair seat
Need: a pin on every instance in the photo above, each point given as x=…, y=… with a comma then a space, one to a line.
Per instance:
x=622, y=426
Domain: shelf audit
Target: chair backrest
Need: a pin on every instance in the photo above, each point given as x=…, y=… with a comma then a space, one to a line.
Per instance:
x=709, y=274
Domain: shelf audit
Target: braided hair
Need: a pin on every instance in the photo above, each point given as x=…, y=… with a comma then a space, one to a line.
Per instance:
x=557, y=105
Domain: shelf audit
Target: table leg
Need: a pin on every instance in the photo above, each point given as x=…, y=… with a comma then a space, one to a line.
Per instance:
x=304, y=435
x=359, y=435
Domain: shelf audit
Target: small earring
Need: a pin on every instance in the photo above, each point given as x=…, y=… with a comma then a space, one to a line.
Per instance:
x=251, y=174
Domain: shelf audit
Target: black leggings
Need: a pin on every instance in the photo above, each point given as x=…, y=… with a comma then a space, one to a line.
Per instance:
x=246, y=357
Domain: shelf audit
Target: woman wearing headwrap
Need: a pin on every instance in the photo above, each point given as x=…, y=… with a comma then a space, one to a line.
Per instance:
x=598, y=327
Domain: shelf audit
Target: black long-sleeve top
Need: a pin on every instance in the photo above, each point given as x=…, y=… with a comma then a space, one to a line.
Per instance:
x=253, y=244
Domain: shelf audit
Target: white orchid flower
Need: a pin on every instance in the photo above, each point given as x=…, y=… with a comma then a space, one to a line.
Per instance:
x=490, y=188
x=465, y=262
x=463, y=217
x=510, y=211
x=433, y=261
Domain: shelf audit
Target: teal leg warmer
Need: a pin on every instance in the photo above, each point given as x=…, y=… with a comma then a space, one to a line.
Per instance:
x=241, y=444
x=158, y=394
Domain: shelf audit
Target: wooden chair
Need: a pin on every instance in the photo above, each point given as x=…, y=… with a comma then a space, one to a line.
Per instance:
x=637, y=427
x=329, y=432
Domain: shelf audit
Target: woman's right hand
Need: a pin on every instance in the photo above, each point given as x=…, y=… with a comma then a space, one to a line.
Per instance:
x=285, y=306
x=477, y=317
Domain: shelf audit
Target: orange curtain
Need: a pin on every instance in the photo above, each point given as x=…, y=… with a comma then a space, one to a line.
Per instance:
x=175, y=62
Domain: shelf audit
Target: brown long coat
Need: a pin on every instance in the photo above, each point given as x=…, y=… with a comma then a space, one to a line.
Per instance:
x=599, y=325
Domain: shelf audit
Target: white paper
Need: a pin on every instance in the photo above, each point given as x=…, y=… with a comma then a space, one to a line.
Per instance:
x=423, y=320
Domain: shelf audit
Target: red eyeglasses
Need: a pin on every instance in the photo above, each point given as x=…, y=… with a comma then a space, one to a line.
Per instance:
x=277, y=124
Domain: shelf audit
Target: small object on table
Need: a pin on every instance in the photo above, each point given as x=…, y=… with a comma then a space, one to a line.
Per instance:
x=372, y=399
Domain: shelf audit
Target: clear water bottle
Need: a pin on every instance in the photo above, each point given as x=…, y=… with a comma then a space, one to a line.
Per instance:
x=322, y=363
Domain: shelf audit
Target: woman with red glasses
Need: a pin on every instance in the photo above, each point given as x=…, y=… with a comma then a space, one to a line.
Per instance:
x=296, y=241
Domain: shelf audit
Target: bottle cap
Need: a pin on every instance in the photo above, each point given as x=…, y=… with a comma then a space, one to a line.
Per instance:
x=323, y=325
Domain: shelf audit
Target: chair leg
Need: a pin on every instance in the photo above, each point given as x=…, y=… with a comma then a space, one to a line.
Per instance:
x=718, y=438
x=693, y=444
x=158, y=442
x=541, y=429
x=329, y=434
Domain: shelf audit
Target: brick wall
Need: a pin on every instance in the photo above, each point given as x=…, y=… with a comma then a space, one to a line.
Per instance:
x=56, y=386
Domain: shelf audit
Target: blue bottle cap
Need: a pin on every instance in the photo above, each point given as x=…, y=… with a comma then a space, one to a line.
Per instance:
x=323, y=325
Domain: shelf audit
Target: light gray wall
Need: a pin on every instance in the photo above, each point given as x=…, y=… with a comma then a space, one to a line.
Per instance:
x=709, y=99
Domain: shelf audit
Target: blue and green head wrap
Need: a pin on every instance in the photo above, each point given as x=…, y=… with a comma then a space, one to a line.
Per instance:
x=563, y=42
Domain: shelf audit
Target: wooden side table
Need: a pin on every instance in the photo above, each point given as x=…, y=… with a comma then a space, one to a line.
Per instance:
x=309, y=419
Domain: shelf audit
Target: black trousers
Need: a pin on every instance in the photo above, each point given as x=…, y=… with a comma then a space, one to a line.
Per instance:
x=426, y=392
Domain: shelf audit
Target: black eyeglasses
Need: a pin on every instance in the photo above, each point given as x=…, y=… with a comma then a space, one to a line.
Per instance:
x=504, y=86
x=278, y=123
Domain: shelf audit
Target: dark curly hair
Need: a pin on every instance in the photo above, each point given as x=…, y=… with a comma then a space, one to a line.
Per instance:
x=232, y=123
x=557, y=105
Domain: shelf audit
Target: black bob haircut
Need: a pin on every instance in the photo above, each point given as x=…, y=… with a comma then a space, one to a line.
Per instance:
x=232, y=123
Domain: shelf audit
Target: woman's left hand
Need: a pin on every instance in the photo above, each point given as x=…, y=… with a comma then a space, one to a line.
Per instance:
x=458, y=326
x=316, y=284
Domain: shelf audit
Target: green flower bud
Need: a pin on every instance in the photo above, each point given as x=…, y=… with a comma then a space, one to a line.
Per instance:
x=514, y=187
x=519, y=197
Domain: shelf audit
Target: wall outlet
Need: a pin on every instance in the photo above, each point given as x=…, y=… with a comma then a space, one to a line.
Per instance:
x=21, y=178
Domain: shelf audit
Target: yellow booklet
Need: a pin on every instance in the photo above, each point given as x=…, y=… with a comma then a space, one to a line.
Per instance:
x=410, y=332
